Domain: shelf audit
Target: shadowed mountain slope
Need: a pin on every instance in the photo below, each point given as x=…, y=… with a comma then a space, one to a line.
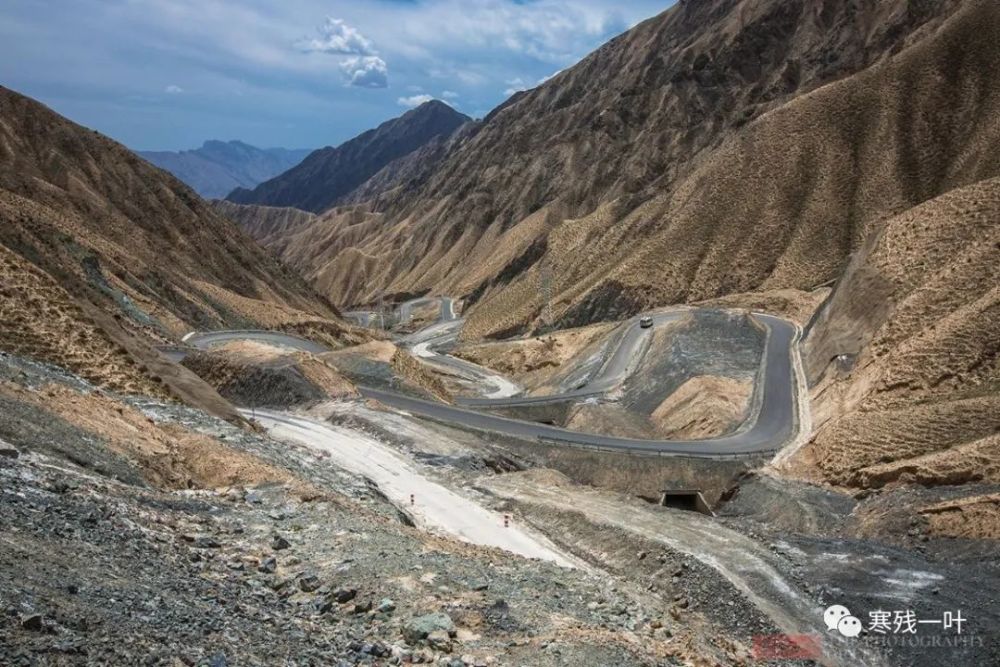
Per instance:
x=904, y=358
x=330, y=174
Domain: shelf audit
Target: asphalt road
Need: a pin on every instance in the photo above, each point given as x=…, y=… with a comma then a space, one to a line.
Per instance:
x=447, y=306
x=773, y=425
x=213, y=338
x=614, y=371
x=423, y=344
x=404, y=311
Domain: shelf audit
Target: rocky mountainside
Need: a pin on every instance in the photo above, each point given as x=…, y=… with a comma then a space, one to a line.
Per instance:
x=904, y=357
x=330, y=174
x=219, y=167
x=101, y=254
x=271, y=225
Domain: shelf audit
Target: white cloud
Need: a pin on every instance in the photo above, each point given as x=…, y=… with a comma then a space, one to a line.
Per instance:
x=414, y=100
x=173, y=90
x=366, y=72
x=363, y=68
x=337, y=37
x=450, y=95
x=549, y=31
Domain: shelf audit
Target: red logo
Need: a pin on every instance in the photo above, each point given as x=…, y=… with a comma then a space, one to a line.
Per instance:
x=786, y=647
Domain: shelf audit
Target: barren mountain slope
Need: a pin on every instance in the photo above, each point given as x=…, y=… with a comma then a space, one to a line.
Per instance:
x=628, y=124
x=329, y=174
x=904, y=359
x=270, y=225
x=99, y=242
x=312, y=243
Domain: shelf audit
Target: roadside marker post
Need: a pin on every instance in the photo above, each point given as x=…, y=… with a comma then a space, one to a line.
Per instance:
x=413, y=500
x=506, y=521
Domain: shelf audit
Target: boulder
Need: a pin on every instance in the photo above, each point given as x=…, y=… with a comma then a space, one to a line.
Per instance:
x=420, y=627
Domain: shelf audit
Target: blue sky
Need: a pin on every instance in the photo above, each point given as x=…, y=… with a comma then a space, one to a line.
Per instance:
x=168, y=74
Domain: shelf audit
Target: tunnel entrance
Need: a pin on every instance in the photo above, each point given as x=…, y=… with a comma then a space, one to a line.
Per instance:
x=689, y=500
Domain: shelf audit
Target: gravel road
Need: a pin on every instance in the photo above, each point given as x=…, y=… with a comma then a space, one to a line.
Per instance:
x=435, y=507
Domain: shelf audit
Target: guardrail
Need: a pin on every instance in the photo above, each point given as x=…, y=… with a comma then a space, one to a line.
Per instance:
x=569, y=442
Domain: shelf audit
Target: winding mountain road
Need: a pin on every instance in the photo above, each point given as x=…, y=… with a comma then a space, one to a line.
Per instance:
x=614, y=371
x=424, y=344
x=212, y=338
x=773, y=425
x=404, y=311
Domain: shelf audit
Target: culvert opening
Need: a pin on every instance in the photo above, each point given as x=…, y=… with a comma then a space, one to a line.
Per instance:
x=689, y=500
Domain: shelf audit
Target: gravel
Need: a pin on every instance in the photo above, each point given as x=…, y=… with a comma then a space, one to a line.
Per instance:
x=96, y=568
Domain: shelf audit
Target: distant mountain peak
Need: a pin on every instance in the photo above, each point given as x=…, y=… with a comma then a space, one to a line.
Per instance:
x=219, y=166
x=217, y=143
x=436, y=105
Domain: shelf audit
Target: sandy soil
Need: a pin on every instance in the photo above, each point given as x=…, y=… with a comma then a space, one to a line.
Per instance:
x=411, y=370
x=253, y=374
x=536, y=362
x=167, y=455
x=610, y=419
x=396, y=363
x=703, y=407
x=381, y=350
x=970, y=517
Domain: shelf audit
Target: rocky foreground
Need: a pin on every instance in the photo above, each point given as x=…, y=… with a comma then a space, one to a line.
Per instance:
x=102, y=568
